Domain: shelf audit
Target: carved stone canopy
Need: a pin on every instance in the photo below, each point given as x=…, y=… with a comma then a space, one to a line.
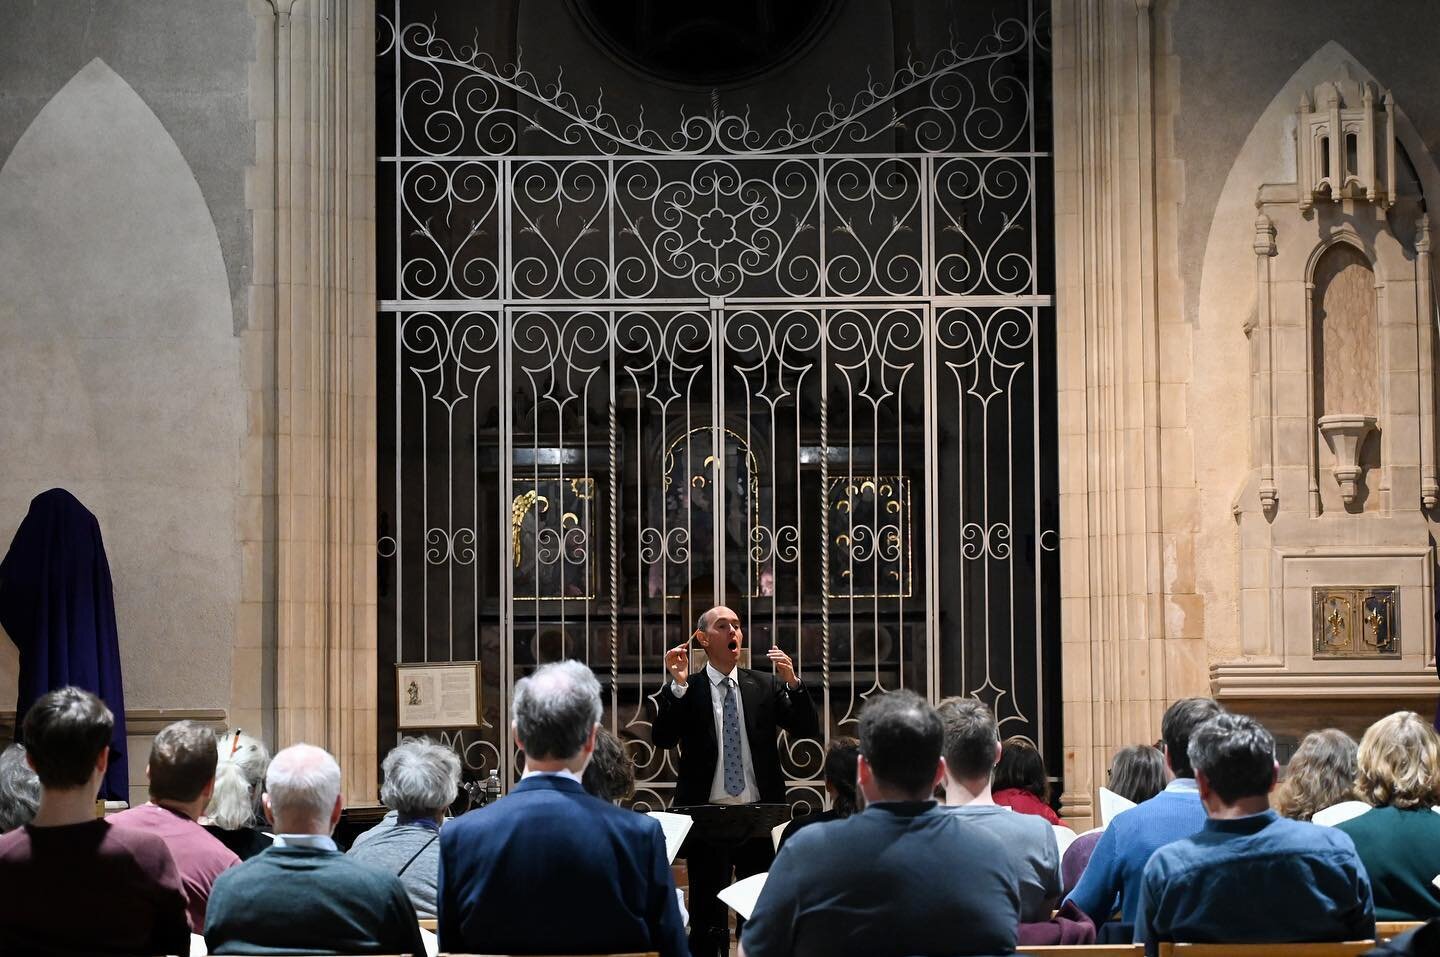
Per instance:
x=1343, y=149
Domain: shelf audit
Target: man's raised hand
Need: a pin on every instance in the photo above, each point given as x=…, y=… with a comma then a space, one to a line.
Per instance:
x=677, y=662
x=784, y=667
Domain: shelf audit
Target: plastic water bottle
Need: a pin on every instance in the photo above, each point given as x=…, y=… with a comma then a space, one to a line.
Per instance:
x=492, y=787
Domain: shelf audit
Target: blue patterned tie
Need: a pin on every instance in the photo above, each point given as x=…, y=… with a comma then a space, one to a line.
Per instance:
x=730, y=725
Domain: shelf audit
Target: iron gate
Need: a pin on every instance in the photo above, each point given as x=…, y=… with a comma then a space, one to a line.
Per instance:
x=627, y=372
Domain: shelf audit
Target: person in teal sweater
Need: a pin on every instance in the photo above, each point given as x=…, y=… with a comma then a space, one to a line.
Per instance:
x=1398, y=839
x=302, y=896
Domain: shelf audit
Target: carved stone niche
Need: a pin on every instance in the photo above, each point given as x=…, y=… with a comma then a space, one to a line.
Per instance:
x=1342, y=412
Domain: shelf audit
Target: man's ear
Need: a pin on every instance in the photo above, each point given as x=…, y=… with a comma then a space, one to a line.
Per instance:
x=269, y=812
x=102, y=761
x=1274, y=777
x=701, y=639
x=999, y=750
x=515, y=735
x=1204, y=784
x=205, y=792
x=590, y=741
x=863, y=772
x=941, y=770
x=336, y=811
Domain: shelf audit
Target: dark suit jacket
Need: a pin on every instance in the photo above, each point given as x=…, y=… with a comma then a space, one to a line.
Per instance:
x=551, y=870
x=689, y=721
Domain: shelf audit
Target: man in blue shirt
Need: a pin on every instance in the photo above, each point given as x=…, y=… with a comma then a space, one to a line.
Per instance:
x=1113, y=874
x=1251, y=876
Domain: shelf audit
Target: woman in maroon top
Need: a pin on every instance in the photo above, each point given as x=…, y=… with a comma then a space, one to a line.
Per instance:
x=1021, y=783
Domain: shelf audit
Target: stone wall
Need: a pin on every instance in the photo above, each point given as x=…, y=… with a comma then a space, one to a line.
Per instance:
x=126, y=132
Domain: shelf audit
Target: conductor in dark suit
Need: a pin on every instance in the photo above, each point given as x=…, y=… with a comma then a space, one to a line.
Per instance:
x=726, y=722
x=550, y=869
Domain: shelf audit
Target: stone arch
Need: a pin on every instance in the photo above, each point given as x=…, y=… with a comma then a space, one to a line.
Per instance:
x=1220, y=368
x=120, y=372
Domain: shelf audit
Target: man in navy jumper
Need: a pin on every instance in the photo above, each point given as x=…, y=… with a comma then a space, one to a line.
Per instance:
x=1250, y=876
x=1113, y=875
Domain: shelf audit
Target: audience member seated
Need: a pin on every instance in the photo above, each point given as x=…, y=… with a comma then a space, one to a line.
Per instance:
x=903, y=876
x=19, y=789
x=235, y=812
x=181, y=773
x=972, y=751
x=550, y=869
x=1399, y=838
x=1112, y=878
x=301, y=895
x=840, y=789
x=74, y=883
x=610, y=775
x=1320, y=776
x=1250, y=875
x=1021, y=781
x=421, y=779
x=1137, y=774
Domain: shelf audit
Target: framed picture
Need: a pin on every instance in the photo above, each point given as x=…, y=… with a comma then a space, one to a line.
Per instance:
x=442, y=694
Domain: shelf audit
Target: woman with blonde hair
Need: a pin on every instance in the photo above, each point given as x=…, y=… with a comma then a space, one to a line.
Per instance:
x=1398, y=839
x=1319, y=777
x=234, y=813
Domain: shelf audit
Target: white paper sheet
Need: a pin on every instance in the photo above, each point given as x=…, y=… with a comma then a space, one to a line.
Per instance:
x=1112, y=804
x=742, y=895
x=432, y=942
x=675, y=826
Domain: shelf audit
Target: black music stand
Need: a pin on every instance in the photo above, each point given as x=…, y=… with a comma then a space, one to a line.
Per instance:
x=731, y=824
x=726, y=826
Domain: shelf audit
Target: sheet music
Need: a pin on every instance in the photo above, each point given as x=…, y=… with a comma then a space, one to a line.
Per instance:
x=1112, y=804
x=675, y=826
x=742, y=895
x=432, y=942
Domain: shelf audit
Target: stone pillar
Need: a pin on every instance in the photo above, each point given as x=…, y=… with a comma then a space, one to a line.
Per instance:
x=319, y=236
x=1131, y=622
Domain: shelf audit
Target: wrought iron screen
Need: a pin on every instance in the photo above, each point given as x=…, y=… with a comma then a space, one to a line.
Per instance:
x=629, y=370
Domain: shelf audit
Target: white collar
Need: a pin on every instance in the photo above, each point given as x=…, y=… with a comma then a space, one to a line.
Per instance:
x=318, y=842
x=1184, y=785
x=717, y=677
x=562, y=773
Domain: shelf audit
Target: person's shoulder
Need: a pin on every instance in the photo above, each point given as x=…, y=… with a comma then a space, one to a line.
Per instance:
x=138, y=842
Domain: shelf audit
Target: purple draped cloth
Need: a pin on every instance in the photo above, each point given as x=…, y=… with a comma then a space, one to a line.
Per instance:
x=58, y=606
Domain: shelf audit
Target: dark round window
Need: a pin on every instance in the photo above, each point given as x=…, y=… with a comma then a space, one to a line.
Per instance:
x=705, y=42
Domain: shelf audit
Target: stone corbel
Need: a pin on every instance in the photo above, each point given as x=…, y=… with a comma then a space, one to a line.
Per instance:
x=1345, y=434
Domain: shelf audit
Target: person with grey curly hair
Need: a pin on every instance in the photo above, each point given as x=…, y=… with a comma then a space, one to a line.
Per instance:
x=421, y=780
x=19, y=789
x=549, y=847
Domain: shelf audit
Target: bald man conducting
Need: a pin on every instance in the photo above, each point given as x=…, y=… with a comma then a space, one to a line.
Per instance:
x=726, y=721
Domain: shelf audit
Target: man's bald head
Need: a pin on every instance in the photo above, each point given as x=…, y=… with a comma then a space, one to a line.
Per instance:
x=302, y=790
x=718, y=632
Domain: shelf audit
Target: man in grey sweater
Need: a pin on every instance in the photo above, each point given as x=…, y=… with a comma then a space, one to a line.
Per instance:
x=421, y=780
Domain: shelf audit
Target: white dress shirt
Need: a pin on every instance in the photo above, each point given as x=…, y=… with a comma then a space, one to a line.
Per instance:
x=718, y=794
x=562, y=773
x=319, y=842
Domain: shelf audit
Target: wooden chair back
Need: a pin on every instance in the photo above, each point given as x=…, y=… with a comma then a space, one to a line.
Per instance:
x=1349, y=948
x=1386, y=929
x=430, y=924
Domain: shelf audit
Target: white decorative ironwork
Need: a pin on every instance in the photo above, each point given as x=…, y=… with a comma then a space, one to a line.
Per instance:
x=633, y=369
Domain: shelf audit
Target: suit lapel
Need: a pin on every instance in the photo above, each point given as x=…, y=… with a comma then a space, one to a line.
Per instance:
x=705, y=708
x=751, y=691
